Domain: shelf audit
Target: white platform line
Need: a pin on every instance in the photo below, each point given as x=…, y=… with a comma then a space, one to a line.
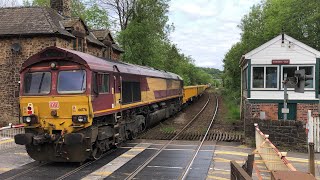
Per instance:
x=115, y=164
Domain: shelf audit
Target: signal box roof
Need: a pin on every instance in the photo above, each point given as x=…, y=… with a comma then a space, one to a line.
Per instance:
x=95, y=63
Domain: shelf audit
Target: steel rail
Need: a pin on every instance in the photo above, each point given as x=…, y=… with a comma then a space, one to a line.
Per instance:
x=141, y=167
x=186, y=171
x=28, y=170
x=83, y=166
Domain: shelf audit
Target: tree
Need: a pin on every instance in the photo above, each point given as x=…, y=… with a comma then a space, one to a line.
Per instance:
x=145, y=38
x=124, y=9
x=95, y=16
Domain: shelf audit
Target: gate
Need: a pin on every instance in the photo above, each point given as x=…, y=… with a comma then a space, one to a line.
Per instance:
x=313, y=129
x=7, y=136
x=270, y=155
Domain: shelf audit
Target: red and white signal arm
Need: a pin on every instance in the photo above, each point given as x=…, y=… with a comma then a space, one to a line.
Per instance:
x=54, y=105
x=30, y=109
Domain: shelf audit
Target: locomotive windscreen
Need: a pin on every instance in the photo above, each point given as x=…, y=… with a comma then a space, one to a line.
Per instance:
x=131, y=92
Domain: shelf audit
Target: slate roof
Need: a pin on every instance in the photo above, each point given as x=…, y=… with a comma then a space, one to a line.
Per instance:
x=100, y=34
x=116, y=47
x=16, y=21
x=30, y=21
x=92, y=39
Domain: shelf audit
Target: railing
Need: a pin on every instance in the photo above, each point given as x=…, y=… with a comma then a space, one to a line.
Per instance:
x=270, y=155
x=7, y=134
x=237, y=172
x=313, y=129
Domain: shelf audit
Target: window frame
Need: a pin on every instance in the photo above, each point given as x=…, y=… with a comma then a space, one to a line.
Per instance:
x=72, y=92
x=245, y=78
x=264, y=77
x=36, y=94
x=76, y=46
x=108, y=92
x=298, y=68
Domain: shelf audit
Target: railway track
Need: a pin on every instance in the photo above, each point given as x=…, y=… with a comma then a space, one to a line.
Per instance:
x=195, y=130
x=196, y=136
x=22, y=173
x=181, y=135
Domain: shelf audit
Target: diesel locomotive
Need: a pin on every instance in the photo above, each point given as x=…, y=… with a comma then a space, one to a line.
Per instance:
x=76, y=106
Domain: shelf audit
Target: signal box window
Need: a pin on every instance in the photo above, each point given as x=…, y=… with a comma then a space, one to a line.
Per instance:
x=290, y=74
x=290, y=70
x=309, y=71
x=265, y=77
x=103, y=82
x=258, y=77
x=37, y=83
x=271, y=77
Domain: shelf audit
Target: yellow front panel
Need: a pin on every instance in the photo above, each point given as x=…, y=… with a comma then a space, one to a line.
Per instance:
x=66, y=106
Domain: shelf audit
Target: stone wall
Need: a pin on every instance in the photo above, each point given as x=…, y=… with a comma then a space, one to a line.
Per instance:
x=94, y=50
x=10, y=65
x=286, y=135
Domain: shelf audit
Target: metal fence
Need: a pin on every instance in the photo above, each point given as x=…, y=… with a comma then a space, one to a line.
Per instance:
x=7, y=134
x=270, y=155
x=313, y=128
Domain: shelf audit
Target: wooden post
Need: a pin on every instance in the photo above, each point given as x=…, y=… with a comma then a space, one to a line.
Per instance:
x=249, y=163
x=311, y=159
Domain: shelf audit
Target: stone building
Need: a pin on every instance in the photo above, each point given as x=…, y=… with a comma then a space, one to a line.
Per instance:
x=263, y=71
x=25, y=31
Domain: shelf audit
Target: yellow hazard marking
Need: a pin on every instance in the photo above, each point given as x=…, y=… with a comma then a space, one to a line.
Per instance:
x=103, y=173
x=220, y=172
x=216, y=177
x=5, y=169
x=226, y=160
x=300, y=160
x=127, y=155
x=237, y=147
x=6, y=141
x=231, y=153
x=137, y=149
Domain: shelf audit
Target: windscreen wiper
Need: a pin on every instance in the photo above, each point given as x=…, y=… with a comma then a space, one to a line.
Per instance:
x=40, y=85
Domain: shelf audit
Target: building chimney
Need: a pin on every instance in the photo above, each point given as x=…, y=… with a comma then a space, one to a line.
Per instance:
x=63, y=7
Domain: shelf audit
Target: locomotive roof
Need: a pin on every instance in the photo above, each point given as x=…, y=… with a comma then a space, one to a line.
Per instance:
x=96, y=63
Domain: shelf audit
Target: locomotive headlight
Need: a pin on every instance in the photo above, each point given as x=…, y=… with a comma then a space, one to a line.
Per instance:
x=80, y=119
x=54, y=65
x=28, y=119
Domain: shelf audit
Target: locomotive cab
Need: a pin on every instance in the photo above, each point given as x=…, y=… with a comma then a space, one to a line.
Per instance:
x=55, y=106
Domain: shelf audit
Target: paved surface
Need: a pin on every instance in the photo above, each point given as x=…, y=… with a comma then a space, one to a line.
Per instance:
x=213, y=162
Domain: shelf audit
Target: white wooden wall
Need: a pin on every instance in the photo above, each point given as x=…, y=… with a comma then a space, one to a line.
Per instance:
x=296, y=54
x=307, y=95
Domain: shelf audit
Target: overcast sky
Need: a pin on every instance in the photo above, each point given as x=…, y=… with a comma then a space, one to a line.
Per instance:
x=206, y=29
